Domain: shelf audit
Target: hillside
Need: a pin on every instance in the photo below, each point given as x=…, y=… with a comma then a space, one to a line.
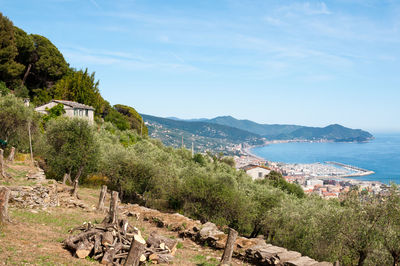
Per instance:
x=224, y=132
x=204, y=135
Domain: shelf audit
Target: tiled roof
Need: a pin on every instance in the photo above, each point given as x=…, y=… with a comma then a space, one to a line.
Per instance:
x=252, y=166
x=74, y=104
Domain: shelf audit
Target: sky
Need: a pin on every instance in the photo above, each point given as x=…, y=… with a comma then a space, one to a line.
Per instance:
x=310, y=63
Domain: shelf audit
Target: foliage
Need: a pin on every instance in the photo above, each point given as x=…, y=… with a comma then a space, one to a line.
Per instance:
x=9, y=68
x=14, y=120
x=134, y=118
x=3, y=89
x=81, y=87
x=72, y=147
x=276, y=180
x=118, y=119
x=54, y=112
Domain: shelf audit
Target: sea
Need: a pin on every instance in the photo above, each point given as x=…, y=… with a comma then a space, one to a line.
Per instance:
x=381, y=155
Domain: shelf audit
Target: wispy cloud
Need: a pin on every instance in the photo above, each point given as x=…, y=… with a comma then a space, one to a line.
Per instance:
x=95, y=3
x=124, y=60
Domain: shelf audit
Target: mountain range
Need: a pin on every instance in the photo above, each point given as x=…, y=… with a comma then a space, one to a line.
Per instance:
x=228, y=131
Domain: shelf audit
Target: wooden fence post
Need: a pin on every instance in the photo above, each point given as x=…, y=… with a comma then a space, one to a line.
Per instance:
x=2, y=171
x=12, y=155
x=103, y=194
x=4, y=197
x=112, y=217
x=229, y=247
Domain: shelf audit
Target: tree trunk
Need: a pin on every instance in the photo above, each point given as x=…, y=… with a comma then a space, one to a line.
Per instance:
x=361, y=259
x=76, y=181
x=112, y=217
x=30, y=141
x=12, y=155
x=256, y=231
x=2, y=170
x=65, y=178
x=136, y=251
x=229, y=247
x=103, y=194
x=26, y=74
x=4, y=197
x=396, y=258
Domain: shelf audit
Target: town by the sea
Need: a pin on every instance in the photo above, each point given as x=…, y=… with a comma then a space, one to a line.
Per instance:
x=380, y=155
x=329, y=169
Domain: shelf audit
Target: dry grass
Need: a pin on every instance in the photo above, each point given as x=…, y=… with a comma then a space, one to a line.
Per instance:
x=34, y=236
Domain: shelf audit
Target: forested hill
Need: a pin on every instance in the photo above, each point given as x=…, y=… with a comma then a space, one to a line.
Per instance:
x=31, y=66
x=233, y=127
x=205, y=135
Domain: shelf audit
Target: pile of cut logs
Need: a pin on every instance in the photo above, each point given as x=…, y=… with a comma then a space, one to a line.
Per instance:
x=115, y=242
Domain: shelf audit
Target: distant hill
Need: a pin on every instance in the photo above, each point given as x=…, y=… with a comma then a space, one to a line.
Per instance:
x=224, y=132
x=270, y=131
x=204, y=135
x=289, y=132
x=335, y=132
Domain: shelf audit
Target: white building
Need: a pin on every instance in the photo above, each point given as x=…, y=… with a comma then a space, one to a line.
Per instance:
x=72, y=109
x=256, y=171
x=314, y=182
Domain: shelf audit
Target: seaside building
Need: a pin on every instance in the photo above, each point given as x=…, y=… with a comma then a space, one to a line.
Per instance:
x=72, y=109
x=256, y=171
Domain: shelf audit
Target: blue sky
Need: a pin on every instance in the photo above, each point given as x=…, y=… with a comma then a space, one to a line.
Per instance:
x=301, y=62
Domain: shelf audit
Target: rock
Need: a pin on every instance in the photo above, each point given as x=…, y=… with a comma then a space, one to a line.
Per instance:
x=302, y=261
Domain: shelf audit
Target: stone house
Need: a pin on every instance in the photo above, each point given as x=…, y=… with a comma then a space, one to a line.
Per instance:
x=72, y=109
x=256, y=171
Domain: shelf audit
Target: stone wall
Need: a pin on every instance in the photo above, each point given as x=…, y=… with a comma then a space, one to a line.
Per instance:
x=254, y=250
x=35, y=197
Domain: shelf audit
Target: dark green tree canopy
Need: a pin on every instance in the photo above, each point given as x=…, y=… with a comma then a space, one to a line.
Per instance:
x=10, y=70
x=135, y=119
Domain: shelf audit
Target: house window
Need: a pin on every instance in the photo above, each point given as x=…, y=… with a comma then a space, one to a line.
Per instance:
x=260, y=174
x=80, y=112
x=75, y=112
x=87, y=112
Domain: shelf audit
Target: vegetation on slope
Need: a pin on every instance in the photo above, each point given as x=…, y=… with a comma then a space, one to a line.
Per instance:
x=360, y=229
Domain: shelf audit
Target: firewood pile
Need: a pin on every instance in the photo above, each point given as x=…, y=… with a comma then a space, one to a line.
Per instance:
x=116, y=242
x=110, y=243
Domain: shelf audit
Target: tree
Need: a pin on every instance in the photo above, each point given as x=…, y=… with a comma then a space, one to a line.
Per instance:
x=135, y=119
x=14, y=119
x=10, y=70
x=118, y=119
x=359, y=225
x=81, y=87
x=389, y=228
x=26, y=51
x=73, y=148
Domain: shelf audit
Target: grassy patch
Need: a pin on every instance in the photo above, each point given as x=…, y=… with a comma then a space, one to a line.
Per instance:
x=63, y=221
x=179, y=245
x=201, y=260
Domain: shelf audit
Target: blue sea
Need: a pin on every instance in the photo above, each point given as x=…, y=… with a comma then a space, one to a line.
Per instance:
x=381, y=155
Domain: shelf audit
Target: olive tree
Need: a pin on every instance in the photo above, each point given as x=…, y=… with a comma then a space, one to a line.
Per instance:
x=72, y=148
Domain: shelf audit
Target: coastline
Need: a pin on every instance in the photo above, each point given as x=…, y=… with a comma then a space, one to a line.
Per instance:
x=247, y=151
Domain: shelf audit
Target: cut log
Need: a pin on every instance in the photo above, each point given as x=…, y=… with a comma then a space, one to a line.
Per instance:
x=83, y=249
x=103, y=193
x=135, y=255
x=157, y=241
x=124, y=226
x=4, y=197
x=229, y=247
x=2, y=166
x=11, y=155
x=107, y=239
x=97, y=243
x=110, y=254
x=71, y=242
x=112, y=217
